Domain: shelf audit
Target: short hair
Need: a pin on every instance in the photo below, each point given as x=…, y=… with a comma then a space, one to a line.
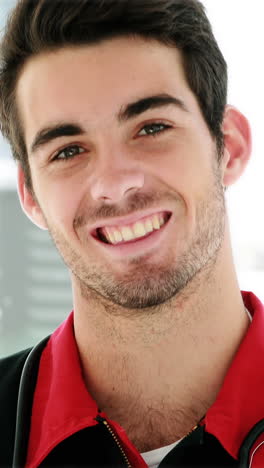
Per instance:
x=37, y=26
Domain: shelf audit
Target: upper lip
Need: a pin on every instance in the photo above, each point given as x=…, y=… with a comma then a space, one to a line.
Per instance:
x=127, y=220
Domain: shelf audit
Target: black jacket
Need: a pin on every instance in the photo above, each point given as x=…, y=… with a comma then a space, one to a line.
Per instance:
x=93, y=446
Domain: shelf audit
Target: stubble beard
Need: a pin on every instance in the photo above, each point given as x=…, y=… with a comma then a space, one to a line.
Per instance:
x=149, y=285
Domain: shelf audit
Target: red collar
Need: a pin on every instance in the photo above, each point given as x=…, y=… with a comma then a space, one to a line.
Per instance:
x=240, y=404
x=63, y=406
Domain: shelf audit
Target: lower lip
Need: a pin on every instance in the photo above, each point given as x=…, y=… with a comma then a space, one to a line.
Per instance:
x=139, y=246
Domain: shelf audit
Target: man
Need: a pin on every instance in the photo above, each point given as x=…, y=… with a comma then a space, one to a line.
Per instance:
x=116, y=112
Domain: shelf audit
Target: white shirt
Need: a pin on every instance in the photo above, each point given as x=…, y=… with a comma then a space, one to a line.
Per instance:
x=154, y=457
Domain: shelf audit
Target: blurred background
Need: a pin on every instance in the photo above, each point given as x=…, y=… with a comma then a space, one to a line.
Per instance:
x=35, y=290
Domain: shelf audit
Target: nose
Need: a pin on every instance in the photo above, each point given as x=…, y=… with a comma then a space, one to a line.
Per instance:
x=116, y=180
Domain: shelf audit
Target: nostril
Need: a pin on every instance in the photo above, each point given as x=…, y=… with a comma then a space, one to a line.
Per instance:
x=117, y=182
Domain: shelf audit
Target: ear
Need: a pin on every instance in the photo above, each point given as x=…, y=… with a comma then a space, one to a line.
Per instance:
x=28, y=202
x=238, y=145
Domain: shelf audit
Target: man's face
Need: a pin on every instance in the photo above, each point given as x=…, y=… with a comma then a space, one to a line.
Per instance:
x=139, y=148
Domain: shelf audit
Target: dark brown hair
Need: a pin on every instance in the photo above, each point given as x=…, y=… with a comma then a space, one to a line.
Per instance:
x=36, y=26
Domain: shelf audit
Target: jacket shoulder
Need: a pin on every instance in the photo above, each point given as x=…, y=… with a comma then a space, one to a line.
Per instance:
x=10, y=372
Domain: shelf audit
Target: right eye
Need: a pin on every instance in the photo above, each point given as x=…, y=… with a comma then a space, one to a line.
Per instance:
x=69, y=152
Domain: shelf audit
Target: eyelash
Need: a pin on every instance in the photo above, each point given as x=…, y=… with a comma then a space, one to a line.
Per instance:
x=66, y=148
x=160, y=128
x=166, y=127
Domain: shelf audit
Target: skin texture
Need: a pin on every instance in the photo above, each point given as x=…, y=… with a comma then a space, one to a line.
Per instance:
x=156, y=328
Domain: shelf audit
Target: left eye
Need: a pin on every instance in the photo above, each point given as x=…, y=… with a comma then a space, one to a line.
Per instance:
x=68, y=153
x=153, y=129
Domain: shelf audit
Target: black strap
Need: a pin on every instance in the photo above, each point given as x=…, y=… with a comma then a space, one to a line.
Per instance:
x=248, y=443
x=24, y=407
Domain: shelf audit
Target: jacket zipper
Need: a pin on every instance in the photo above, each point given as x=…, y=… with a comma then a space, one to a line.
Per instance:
x=110, y=430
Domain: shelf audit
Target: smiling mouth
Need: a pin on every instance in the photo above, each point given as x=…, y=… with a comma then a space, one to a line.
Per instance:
x=117, y=235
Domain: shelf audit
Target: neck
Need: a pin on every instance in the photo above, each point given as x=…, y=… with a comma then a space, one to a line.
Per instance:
x=171, y=360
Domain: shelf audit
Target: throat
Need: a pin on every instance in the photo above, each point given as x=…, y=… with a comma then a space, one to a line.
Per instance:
x=155, y=410
x=158, y=425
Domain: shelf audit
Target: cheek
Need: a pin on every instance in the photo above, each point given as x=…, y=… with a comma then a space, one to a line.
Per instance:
x=189, y=175
x=179, y=172
x=59, y=203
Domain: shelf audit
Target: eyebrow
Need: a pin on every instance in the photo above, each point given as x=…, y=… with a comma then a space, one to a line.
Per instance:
x=50, y=133
x=131, y=110
x=152, y=102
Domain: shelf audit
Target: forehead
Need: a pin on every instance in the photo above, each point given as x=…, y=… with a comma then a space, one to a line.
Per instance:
x=93, y=82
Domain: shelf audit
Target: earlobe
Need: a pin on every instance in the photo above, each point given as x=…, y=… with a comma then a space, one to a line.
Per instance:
x=28, y=203
x=238, y=145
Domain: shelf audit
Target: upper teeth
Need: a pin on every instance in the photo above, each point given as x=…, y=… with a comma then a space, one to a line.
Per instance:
x=116, y=234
